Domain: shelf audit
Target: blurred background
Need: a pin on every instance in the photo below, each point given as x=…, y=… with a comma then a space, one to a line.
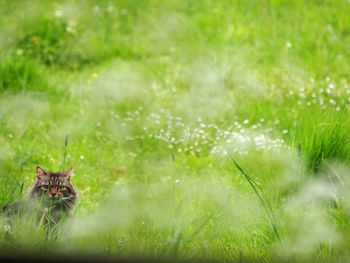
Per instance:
x=156, y=97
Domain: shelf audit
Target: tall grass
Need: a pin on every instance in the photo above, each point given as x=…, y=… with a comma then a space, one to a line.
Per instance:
x=262, y=198
x=18, y=73
x=327, y=142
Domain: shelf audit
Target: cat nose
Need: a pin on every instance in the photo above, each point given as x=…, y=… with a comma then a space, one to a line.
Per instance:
x=53, y=192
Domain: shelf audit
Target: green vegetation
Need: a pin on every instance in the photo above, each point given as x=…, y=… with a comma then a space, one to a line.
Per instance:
x=157, y=97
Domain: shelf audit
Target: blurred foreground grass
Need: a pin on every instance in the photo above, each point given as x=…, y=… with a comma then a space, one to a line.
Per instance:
x=155, y=96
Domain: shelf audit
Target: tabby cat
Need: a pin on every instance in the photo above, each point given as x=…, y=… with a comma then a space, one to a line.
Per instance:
x=52, y=196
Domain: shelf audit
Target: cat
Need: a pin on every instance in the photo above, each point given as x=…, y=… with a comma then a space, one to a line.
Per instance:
x=52, y=197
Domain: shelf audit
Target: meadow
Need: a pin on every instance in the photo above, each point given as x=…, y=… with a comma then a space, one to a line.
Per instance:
x=213, y=130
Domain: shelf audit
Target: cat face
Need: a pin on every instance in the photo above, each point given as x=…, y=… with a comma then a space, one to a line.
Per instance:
x=56, y=187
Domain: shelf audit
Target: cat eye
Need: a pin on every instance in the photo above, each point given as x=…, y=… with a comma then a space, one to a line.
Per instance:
x=62, y=187
x=45, y=187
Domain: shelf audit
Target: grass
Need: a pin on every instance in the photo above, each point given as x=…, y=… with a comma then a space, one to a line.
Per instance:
x=328, y=143
x=154, y=96
x=260, y=194
x=20, y=74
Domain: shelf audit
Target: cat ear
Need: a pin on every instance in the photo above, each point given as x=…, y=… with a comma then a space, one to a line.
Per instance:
x=68, y=173
x=40, y=171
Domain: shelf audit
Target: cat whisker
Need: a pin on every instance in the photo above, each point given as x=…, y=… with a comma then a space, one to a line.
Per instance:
x=68, y=203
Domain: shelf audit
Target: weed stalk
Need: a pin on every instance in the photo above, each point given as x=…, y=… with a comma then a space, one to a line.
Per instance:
x=262, y=198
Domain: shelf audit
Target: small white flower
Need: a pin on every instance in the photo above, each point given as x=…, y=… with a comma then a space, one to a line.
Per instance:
x=58, y=13
x=96, y=9
x=132, y=155
x=332, y=101
x=70, y=29
x=288, y=45
x=110, y=9
x=81, y=157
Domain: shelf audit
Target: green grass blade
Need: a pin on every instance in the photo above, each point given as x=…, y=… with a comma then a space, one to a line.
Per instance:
x=262, y=198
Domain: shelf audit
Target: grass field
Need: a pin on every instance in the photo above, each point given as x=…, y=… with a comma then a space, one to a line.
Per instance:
x=157, y=99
